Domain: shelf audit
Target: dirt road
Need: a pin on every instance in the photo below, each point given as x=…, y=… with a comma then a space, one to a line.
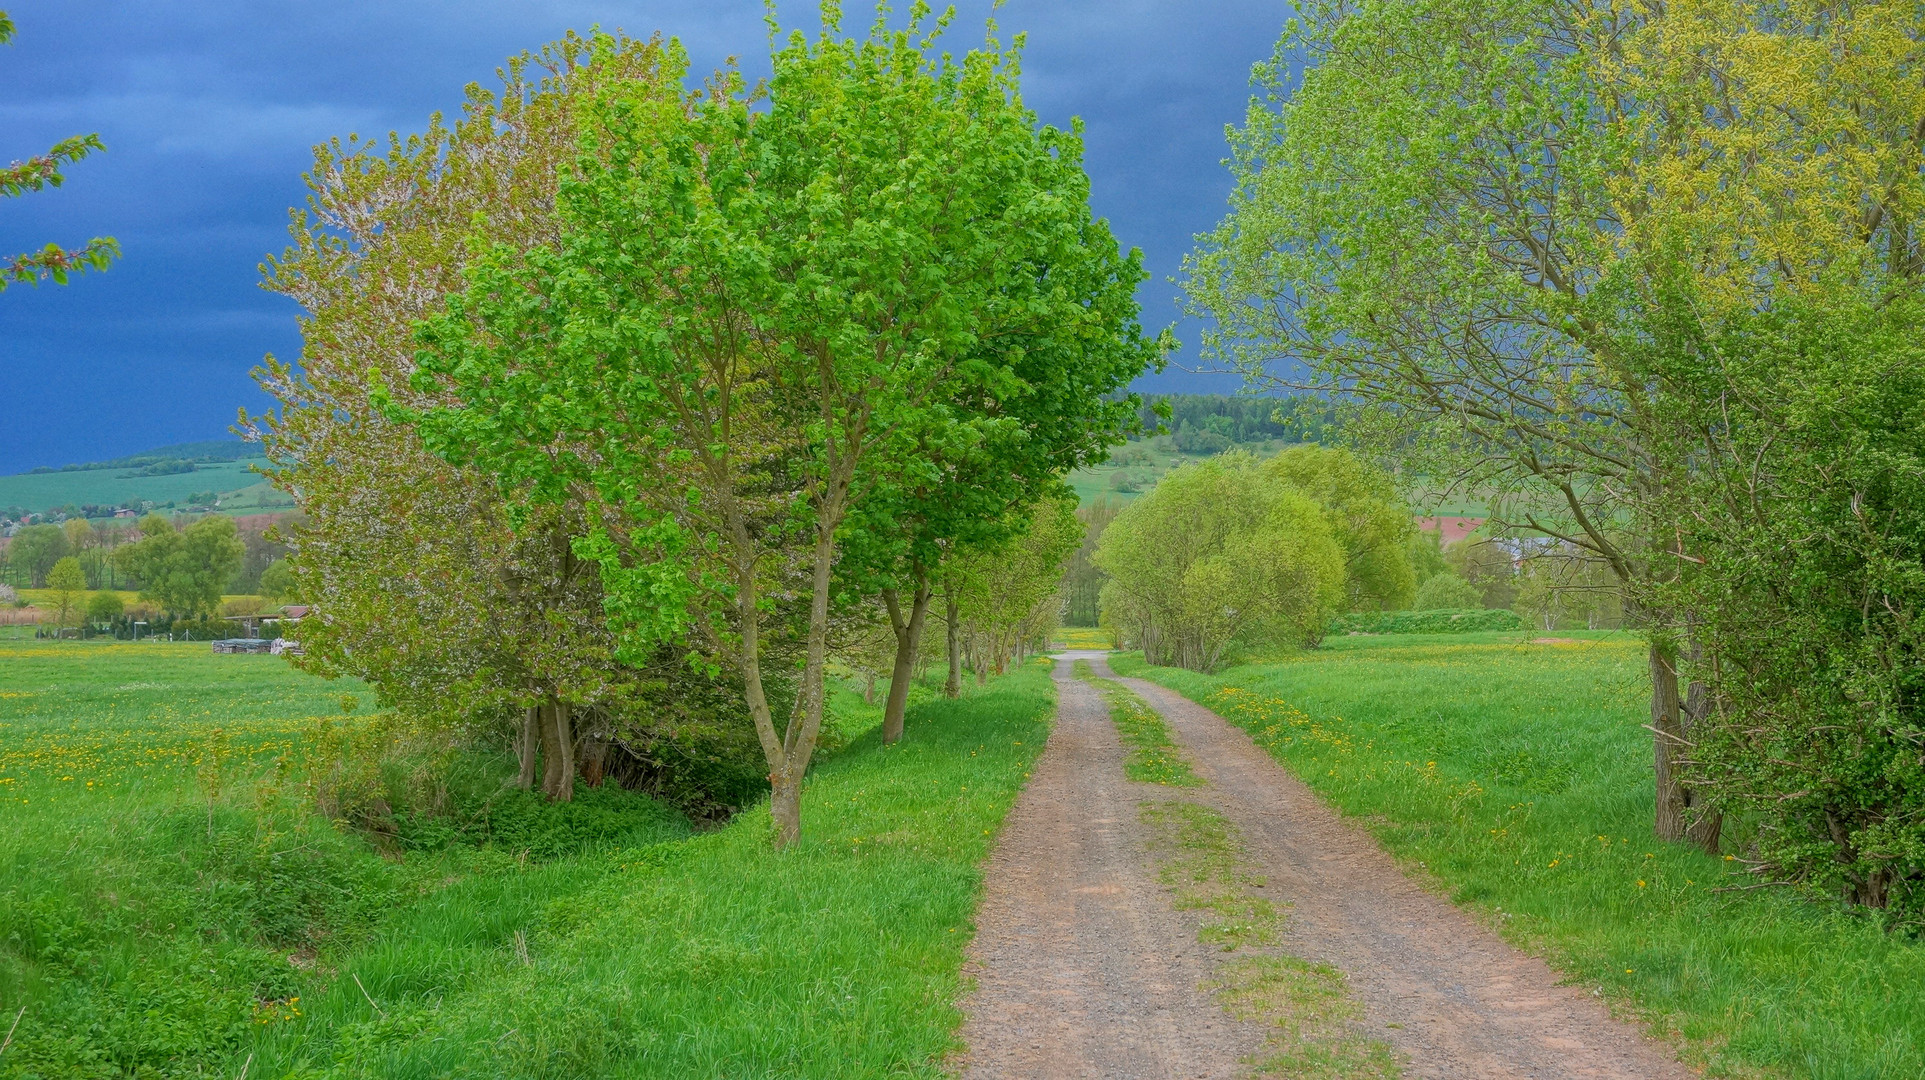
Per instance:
x=1083, y=969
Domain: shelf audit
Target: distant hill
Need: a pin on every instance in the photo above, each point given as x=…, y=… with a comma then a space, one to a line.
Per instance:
x=210, y=450
x=213, y=475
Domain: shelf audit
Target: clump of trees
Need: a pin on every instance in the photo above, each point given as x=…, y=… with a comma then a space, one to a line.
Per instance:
x=185, y=570
x=1234, y=552
x=1648, y=275
x=621, y=405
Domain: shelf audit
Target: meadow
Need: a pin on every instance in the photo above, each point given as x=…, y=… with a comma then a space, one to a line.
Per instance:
x=1516, y=778
x=172, y=905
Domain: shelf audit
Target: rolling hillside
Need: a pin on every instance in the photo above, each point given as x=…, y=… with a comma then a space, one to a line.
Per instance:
x=168, y=476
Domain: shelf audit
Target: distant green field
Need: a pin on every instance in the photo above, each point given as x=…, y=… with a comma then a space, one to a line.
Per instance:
x=239, y=487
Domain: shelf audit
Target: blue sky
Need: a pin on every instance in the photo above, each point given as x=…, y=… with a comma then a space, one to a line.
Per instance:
x=209, y=109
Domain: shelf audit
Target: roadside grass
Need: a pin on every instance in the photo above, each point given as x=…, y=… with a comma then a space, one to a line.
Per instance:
x=1154, y=756
x=1311, y=1021
x=1517, y=776
x=173, y=920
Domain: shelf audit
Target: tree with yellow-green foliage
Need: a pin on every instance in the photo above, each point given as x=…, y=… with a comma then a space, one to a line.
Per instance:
x=1222, y=553
x=68, y=582
x=1649, y=274
x=1368, y=518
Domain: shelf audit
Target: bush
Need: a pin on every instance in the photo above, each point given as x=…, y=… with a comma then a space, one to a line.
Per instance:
x=1447, y=592
x=104, y=607
x=1427, y=622
x=518, y=821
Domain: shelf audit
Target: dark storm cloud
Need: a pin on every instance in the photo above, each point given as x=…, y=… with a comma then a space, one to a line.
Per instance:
x=209, y=111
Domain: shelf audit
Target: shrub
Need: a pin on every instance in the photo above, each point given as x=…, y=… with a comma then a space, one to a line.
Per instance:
x=1447, y=592
x=1427, y=622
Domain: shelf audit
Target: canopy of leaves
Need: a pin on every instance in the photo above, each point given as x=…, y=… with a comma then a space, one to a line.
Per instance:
x=1222, y=552
x=186, y=570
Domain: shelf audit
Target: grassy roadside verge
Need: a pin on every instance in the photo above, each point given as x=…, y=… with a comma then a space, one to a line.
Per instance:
x=153, y=931
x=1518, y=777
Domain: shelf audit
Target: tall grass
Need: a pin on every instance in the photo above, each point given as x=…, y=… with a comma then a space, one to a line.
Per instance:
x=1518, y=777
x=153, y=928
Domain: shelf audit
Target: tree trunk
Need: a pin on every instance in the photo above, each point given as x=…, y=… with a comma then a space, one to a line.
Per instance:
x=526, y=746
x=1703, y=824
x=785, y=808
x=869, y=688
x=557, y=752
x=952, y=687
x=798, y=742
x=1680, y=812
x=565, y=744
x=593, y=754
x=550, y=750
x=908, y=644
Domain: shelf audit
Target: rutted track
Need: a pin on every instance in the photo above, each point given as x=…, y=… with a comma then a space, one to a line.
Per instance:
x=1084, y=971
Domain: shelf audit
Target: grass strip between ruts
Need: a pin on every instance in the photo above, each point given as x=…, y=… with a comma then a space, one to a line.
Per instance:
x=1154, y=757
x=1310, y=1019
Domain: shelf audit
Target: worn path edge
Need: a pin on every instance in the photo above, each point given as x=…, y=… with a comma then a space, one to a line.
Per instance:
x=1454, y=999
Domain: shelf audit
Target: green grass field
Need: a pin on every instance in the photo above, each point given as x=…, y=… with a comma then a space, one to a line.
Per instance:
x=171, y=907
x=1517, y=777
x=240, y=488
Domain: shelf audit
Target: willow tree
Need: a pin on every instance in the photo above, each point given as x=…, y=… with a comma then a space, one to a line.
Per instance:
x=759, y=314
x=1221, y=553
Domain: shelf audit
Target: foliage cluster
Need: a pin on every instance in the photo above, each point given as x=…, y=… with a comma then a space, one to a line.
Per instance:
x=1427, y=621
x=1232, y=552
x=38, y=173
x=1646, y=275
x=845, y=333
x=184, y=570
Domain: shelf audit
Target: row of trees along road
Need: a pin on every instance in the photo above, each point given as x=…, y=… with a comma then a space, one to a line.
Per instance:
x=1649, y=274
x=615, y=393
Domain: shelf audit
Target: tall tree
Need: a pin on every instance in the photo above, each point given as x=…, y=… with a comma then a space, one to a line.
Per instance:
x=1771, y=277
x=38, y=173
x=1422, y=221
x=426, y=581
x=779, y=309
